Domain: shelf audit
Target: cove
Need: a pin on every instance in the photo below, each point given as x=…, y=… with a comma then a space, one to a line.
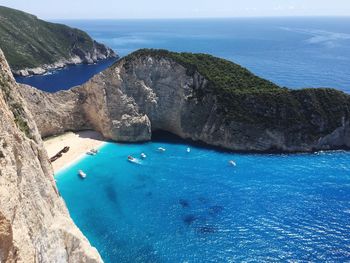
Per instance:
x=193, y=207
x=66, y=78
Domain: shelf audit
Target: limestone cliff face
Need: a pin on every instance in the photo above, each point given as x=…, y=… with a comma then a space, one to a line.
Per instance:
x=147, y=92
x=35, y=225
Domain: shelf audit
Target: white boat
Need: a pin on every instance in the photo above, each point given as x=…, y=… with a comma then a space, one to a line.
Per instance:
x=232, y=163
x=82, y=174
x=143, y=156
x=133, y=160
x=161, y=149
x=188, y=149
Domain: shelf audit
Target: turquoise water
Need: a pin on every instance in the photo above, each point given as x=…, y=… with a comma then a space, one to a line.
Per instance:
x=293, y=52
x=193, y=207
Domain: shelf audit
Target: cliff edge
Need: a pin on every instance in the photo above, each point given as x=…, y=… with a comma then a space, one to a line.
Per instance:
x=35, y=225
x=199, y=97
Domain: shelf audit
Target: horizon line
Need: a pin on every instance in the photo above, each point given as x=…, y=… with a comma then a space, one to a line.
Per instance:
x=201, y=18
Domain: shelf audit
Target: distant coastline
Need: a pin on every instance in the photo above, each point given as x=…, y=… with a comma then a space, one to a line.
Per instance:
x=33, y=46
x=46, y=68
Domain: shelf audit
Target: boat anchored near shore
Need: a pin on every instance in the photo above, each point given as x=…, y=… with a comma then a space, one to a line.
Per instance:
x=132, y=159
x=161, y=149
x=82, y=174
x=92, y=152
x=232, y=163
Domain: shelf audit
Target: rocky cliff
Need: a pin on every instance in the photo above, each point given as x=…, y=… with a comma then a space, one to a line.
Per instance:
x=41, y=46
x=35, y=225
x=199, y=97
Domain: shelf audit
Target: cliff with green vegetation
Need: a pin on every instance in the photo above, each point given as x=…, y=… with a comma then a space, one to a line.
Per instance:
x=243, y=96
x=200, y=97
x=33, y=46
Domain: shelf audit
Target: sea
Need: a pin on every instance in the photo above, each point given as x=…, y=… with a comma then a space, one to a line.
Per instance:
x=180, y=206
x=292, y=52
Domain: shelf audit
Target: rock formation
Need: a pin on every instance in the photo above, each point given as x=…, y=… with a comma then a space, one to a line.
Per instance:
x=197, y=97
x=33, y=46
x=77, y=56
x=35, y=225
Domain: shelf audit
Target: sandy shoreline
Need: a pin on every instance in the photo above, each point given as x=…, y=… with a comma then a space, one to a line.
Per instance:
x=79, y=143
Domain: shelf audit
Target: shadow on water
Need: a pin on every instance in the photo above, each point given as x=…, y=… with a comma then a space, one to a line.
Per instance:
x=189, y=219
x=161, y=136
x=184, y=203
x=170, y=138
x=113, y=197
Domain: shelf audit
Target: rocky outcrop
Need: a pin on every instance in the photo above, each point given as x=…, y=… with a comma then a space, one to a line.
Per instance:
x=78, y=56
x=35, y=225
x=150, y=90
x=33, y=46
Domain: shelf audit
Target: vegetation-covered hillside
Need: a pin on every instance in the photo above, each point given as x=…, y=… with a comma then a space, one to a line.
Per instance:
x=245, y=97
x=29, y=42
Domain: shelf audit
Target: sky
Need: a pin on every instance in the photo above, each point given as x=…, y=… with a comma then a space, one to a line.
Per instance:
x=116, y=9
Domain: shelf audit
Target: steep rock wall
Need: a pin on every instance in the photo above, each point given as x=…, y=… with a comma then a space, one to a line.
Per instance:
x=35, y=225
x=147, y=92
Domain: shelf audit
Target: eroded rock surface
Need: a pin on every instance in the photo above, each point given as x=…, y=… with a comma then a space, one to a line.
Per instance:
x=147, y=91
x=35, y=225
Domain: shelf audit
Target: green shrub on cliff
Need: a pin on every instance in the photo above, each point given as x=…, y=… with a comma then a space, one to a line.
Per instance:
x=247, y=98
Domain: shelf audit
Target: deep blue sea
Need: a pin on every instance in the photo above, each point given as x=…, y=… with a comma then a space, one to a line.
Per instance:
x=293, y=52
x=67, y=77
x=177, y=206
x=193, y=207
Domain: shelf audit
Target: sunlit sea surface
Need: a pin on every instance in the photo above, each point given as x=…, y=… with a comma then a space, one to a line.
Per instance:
x=293, y=52
x=180, y=206
x=193, y=207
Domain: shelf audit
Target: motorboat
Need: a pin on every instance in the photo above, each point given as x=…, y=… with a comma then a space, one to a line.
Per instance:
x=133, y=159
x=232, y=163
x=143, y=156
x=188, y=149
x=161, y=149
x=82, y=174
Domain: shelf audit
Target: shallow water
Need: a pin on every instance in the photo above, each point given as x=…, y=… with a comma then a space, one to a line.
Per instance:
x=193, y=207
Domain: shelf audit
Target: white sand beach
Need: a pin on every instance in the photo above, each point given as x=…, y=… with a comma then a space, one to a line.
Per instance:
x=79, y=143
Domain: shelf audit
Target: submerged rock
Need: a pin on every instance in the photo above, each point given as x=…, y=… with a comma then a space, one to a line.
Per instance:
x=189, y=219
x=184, y=203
